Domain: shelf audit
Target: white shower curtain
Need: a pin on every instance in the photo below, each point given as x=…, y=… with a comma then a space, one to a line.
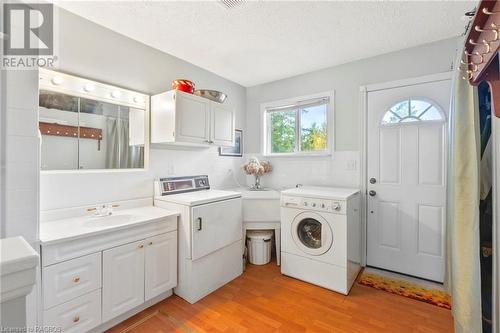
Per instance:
x=120, y=154
x=463, y=277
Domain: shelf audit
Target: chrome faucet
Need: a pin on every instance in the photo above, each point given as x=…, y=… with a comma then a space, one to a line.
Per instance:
x=103, y=210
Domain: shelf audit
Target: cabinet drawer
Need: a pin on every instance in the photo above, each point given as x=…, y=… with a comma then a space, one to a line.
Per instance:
x=67, y=280
x=78, y=315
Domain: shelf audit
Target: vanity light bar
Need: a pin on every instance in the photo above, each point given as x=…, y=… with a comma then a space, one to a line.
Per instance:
x=74, y=85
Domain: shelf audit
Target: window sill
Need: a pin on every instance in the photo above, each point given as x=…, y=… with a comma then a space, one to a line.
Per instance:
x=299, y=155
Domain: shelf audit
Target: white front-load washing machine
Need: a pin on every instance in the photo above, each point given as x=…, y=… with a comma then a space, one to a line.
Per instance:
x=320, y=236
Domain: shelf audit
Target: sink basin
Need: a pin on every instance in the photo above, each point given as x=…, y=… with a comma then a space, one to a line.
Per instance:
x=261, y=205
x=83, y=225
x=109, y=221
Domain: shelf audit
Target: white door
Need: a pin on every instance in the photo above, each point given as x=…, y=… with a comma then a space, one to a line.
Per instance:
x=193, y=118
x=222, y=125
x=215, y=226
x=406, y=171
x=161, y=264
x=123, y=279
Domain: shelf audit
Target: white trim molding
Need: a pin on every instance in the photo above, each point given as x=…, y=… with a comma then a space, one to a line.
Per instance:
x=408, y=82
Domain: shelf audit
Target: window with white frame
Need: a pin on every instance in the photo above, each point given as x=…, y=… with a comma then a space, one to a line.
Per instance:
x=298, y=127
x=412, y=111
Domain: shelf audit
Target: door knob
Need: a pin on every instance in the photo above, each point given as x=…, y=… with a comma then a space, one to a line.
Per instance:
x=373, y=180
x=372, y=193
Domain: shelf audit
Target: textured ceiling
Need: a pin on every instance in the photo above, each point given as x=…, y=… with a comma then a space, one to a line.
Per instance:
x=262, y=41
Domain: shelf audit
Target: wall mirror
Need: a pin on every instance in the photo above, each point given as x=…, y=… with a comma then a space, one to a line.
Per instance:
x=87, y=125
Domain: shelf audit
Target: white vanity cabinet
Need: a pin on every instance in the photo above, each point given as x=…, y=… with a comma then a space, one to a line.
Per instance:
x=123, y=279
x=137, y=272
x=91, y=281
x=186, y=119
x=160, y=265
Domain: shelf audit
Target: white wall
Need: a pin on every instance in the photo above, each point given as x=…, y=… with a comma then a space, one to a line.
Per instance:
x=342, y=169
x=21, y=155
x=89, y=50
x=346, y=80
x=19, y=152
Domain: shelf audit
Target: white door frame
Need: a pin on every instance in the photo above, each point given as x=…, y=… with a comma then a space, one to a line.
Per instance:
x=363, y=99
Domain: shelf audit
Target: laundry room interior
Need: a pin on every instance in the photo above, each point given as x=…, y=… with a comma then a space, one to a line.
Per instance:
x=250, y=166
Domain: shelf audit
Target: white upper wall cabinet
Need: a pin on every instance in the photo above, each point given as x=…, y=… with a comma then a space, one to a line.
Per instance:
x=185, y=119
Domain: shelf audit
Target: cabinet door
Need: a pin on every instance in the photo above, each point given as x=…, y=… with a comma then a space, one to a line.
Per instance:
x=123, y=279
x=222, y=131
x=193, y=118
x=161, y=264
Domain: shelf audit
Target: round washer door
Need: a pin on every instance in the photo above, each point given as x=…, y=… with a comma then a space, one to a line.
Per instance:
x=312, y=233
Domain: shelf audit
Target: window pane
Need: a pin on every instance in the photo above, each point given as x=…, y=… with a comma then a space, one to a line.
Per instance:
x=401, y=109
x=432, y=114
x=390, y=118
x=412, y=111
x=417, y=107
x=283, y=131
x=313, y=134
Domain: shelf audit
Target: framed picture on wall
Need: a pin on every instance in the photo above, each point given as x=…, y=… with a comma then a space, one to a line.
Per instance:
x=237, y=149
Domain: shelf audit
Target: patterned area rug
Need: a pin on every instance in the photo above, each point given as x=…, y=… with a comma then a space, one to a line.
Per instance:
x=406, y=289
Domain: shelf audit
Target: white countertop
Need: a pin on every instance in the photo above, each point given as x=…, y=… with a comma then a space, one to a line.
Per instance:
x=16, y=255
x=199, y=197
x=83, y=226
x=248, y=194
x=338, y=193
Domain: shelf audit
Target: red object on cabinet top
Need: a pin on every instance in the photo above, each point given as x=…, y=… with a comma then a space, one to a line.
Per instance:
x=183, y=85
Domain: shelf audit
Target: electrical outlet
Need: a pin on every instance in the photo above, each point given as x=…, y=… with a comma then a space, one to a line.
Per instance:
x=170, y=169
x=351, y=165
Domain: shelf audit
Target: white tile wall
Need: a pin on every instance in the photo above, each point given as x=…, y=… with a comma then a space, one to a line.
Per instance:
x=22, y=146
x=341, y=169
x=16, y=118
x=70, y=189
x=20, y=164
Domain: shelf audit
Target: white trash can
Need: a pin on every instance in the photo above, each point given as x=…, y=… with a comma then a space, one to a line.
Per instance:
x=259, y=246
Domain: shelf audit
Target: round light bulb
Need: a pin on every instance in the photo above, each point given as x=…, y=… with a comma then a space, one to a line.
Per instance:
x=88, y=87
x=138, y=100
x=115, y=93
x=57, y=80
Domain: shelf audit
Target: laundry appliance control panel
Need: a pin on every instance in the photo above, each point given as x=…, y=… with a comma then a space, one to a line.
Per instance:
x=325, y=205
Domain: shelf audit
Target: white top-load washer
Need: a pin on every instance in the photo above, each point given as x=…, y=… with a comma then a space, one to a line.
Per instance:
x=320, y=236
x=210, y=233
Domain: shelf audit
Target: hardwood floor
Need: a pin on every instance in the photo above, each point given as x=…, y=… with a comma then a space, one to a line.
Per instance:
x=263, y=300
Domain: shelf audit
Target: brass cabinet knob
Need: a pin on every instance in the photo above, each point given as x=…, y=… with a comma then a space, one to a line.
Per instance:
x=141, y=246
x=150, y=243
x=76, y=280
x=76, y=319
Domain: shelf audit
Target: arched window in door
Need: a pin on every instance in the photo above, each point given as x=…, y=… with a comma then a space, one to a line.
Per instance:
x=413, y=110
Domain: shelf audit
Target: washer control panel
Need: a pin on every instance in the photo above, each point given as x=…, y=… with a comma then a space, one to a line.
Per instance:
x=317, y=204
